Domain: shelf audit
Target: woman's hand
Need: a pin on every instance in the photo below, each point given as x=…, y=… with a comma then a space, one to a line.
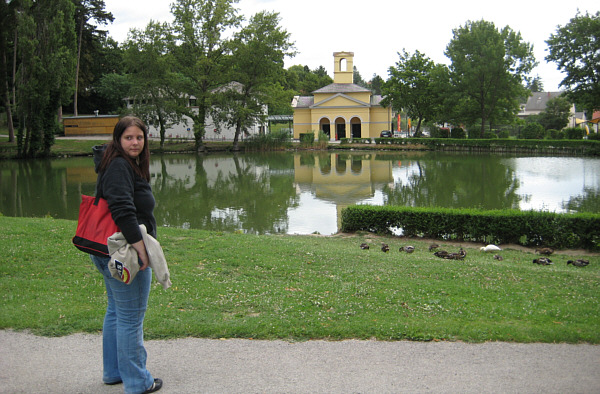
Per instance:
x=140, y=248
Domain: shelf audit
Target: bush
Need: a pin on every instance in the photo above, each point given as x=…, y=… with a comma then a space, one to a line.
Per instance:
x=458, y=132
x=307, y=138
x=504, y=134
x=556, y=134
x=270, y=141
x=440, y=132
x=594, y=136
x=533, y=131
x=528, y=228
x=574, y=133
x=489, y=135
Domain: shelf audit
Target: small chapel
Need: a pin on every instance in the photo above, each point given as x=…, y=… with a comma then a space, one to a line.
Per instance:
x=341, y=109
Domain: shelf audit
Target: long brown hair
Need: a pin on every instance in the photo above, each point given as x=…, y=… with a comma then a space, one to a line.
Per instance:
x=141, y=165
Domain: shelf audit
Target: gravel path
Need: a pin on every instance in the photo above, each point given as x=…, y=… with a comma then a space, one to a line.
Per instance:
x=72, y=364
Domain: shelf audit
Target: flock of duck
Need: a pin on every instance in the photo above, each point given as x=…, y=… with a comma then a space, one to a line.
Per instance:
x=461, y=254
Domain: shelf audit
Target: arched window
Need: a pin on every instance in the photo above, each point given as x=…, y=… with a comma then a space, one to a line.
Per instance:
x=343, y=64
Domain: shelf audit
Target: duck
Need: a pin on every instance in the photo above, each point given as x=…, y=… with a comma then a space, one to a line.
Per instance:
x=460, y=255
x=545, y=251
x=498, y=257
x=433, y=246
x=385, y=248
x=364, y=246
x=542, y=261
x=441, y=253
x=490, y=248
x=578, y=262
x=407, y=249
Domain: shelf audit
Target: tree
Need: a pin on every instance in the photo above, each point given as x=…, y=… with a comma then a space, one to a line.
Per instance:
x=487, y=71
x=409, y=87
x=304, y=81
x=357, y=78
x=45, y=68
x=86, y=10
x=256, y=65
x=536, y=85
x=8, y=45
x=575, y=48
x=155, y=89
x=376, y=84
x=200, y=52
x=556, y=115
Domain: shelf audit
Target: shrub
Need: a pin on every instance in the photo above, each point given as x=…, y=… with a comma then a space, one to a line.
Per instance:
x=504, y=134
x=489, y=135
x=594, y=136
x=528, y=228
x=458, y=132
x=533, y=131
x=307, y=138
x=440, y=132
x=574, y=133
x=555, y=134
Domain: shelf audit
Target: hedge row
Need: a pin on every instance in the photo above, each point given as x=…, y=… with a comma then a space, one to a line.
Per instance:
x=580, y=147
x=527, y=228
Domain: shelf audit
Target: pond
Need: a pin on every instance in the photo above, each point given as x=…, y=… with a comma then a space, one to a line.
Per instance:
x=303, y=193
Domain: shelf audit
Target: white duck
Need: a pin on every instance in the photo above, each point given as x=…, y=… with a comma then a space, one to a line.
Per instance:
x=490, y=248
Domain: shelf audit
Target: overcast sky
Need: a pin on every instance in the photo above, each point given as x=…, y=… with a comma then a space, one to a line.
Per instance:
x=376, y=30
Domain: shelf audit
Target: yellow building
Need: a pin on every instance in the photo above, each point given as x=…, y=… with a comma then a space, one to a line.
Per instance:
x=341, y=109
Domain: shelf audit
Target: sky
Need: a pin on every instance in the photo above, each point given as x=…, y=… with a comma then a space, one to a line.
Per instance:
x=377, y=30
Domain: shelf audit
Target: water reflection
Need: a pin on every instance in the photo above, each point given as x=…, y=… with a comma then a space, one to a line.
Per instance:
x=305, y=192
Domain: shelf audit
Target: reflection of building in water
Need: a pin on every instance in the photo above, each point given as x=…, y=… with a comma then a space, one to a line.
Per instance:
x=341, y=178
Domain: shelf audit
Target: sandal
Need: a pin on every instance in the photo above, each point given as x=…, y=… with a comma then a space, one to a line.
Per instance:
x=156, y=385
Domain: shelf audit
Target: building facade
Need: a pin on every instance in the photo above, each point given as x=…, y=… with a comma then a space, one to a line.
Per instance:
x=341, y=109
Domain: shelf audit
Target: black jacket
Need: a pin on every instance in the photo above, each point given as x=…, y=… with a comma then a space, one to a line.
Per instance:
x=129, y=197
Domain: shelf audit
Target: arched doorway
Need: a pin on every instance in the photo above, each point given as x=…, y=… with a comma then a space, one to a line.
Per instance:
x=340, y=128
x=356, y=127
x=325, y=127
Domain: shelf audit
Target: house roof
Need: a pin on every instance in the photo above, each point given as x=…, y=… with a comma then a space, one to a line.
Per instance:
x=341, y=88
x=538, y=100
x=309, y=101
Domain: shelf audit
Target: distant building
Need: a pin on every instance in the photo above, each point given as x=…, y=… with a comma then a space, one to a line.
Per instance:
x=341, y=109
x=537, y=102
x=212, y=131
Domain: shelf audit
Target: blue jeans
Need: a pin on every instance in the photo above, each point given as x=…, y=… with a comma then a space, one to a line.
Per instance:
x=124, y=355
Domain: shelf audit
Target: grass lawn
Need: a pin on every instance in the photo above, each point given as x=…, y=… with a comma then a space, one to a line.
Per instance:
x=304, y=287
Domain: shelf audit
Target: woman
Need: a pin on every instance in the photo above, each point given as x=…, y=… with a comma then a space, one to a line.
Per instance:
x=123, y=167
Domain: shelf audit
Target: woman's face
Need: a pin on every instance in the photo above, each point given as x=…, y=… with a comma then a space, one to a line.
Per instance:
x=132, y=141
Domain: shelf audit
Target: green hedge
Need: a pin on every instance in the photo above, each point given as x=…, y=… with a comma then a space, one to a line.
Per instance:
x=527, y=228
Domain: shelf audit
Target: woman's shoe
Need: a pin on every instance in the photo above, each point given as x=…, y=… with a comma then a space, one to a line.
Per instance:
x=156, y=385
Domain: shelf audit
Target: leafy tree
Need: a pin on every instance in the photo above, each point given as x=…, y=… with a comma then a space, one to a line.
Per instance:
x=154, y=87
x=409, y=87
x=575, y=48
x=556, y=115
x=100, y=61
x=113, y=88
x=200, y=51
x=488, y=68
x=304, y=81
x=45, y=69
x=256, y=64
x=86, y=10
x=376, y=84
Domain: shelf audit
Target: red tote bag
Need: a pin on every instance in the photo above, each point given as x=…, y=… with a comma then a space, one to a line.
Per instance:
x=94, y=226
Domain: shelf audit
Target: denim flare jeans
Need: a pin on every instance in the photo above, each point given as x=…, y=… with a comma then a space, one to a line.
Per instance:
x=124, y=355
